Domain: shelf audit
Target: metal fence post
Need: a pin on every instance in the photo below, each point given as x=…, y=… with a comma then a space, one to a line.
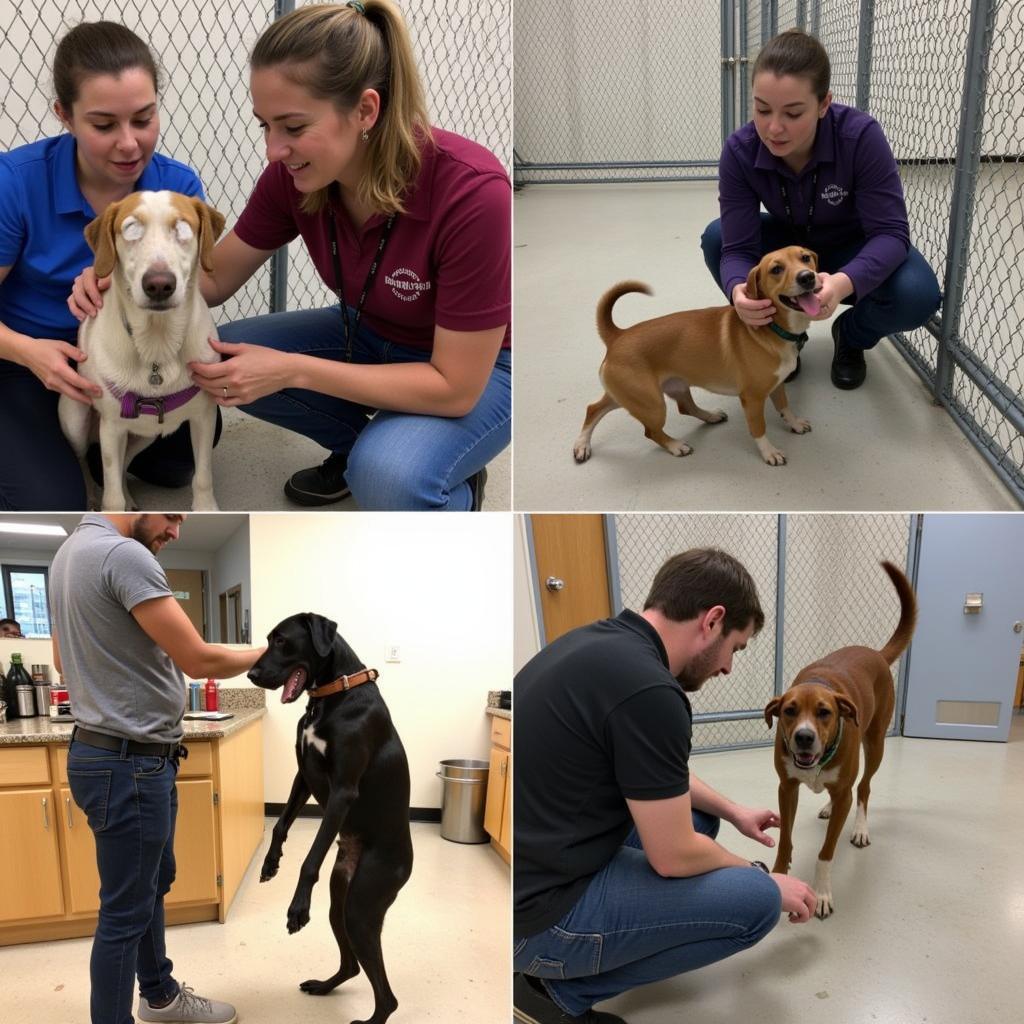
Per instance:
x=279, y=261
x=728, y=69
x=864, y=39
x=744, y=65
x=780, y=605
x=965, y=177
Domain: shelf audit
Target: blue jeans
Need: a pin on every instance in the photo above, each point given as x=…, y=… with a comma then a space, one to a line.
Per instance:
x=396, y=461
x=632, y=927
x=903, y=301
x=131, y=804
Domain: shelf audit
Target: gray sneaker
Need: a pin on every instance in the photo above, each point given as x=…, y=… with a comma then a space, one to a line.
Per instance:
x=188, y=1008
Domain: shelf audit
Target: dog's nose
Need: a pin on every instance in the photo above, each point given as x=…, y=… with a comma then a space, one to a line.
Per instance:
x=158, y=284
x=805, y=279
x=803, y=738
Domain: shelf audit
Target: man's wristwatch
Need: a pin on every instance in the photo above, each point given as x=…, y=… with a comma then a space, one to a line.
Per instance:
x=760, y=864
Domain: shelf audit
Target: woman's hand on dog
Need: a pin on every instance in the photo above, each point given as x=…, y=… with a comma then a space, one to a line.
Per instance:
x=48, y=360
x=247, y=372
x=753, y=312
x=834, y=288
x=86, y=298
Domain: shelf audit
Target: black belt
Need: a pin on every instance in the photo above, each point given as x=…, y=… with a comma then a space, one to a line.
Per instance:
x=105, y=742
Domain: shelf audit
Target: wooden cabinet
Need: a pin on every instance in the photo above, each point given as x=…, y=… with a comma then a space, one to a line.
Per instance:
x=49, y=887
x=498, y=808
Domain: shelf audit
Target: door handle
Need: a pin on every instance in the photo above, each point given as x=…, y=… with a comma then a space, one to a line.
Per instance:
x=554, y=584
x=1018, y=627
x=46, y=816
x=67, y=801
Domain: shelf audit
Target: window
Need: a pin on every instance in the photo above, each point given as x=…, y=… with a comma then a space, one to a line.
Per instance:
x=26, y=598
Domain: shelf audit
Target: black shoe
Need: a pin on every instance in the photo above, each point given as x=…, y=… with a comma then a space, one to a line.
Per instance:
x=476, y=487
x=795, y=373
x=848, y=367
x=532, y=1005
x=320, y=485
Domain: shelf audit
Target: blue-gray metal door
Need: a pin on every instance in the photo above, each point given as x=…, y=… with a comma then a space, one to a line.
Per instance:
x=963, y=665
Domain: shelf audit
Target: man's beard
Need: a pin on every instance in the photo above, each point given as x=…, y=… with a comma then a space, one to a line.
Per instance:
x=696, y=672
x=144, y=534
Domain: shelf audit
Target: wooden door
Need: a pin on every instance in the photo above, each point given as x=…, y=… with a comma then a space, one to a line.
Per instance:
x=187, y=587
x=570, y=549
x=80, y=853
x=30, y=884
x=195, y=844
x=494, y=806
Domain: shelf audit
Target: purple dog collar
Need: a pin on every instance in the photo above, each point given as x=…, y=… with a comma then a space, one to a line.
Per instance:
x=132, y=405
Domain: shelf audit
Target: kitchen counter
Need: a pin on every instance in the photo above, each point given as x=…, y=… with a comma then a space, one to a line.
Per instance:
x=500, y=713
x=47, y=730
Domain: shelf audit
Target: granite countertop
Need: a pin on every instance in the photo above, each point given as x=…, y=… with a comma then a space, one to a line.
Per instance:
x=247, y=705
x=500, y=713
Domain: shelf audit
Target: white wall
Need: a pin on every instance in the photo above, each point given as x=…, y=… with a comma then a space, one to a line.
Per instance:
x=438, y=586
x=231, y=569
x=527, y=632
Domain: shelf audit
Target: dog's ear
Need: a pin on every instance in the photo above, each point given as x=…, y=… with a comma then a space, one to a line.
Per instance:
x=323, y=632
x=211, y=224
x=772, y=710
x=754, y=283
x=99, y=233
x=847, y=709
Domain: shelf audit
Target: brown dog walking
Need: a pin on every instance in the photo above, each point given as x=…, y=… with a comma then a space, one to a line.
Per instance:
x=834, y=705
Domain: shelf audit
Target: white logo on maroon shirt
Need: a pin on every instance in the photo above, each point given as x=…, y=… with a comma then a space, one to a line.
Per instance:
x=406, y=284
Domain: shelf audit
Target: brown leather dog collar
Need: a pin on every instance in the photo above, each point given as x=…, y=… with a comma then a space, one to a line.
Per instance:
x=368, y=675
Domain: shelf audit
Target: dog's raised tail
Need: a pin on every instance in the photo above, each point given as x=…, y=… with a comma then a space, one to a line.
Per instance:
x=898, y=642
x=605, y=327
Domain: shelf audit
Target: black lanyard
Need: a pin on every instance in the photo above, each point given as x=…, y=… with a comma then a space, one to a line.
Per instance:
x=351, y=328
x=810, y=210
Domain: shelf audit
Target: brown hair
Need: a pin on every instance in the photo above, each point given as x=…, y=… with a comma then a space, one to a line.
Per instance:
x=799, y=54
x=336, y=52
x=98, y=48
x=695, y=580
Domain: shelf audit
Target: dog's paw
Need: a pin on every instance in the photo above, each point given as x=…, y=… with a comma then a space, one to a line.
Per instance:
x=773, y=457
x=581, y=451
x=298, y=916
x=826, y=811
x=824, y=907
x=799, y=426
x=269, y=869
x=678, y=448
x=204, y=502
x=717, y=416
x=860, y=838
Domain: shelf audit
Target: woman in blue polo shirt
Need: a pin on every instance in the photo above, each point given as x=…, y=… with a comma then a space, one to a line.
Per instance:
x=105, y=80
x=827, y=177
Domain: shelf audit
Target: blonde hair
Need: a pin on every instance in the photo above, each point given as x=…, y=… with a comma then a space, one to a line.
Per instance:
x=336, y=52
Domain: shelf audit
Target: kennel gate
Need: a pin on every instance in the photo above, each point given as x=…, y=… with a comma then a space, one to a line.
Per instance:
x=820, y=587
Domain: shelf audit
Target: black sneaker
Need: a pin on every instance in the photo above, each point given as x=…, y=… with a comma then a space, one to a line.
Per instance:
x=476, y=486
x=848, y=366
x=320, y=485
x=532, y=1005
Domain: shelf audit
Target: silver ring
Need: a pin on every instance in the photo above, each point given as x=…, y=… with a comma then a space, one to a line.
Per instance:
x=225, y=392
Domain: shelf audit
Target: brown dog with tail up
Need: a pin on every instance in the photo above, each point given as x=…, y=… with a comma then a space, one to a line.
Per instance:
x=833, y=707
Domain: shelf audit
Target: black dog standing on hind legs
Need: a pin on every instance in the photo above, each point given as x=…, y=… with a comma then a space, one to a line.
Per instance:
x=352, y=761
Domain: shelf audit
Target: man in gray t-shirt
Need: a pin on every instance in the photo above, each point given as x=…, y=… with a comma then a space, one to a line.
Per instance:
x=124, y=645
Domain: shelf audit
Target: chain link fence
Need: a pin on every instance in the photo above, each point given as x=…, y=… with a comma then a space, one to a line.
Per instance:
x=464, y=53
x=820, y=587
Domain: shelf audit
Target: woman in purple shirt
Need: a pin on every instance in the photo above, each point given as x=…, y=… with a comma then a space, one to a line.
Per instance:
x=828, y=179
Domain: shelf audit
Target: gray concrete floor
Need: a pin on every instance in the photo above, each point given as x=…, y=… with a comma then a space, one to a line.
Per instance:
x=929, y=919
x=254, y=459
x=885, y=446
x=445, y=944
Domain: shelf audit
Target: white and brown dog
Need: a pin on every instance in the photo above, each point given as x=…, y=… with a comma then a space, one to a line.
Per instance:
x=834, y=705
x=152, y=324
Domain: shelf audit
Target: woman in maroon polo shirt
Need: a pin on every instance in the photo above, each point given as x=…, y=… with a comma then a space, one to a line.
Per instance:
x=407, y=380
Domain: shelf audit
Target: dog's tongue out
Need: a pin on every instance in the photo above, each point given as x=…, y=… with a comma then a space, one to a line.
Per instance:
x=809, y=303
x=294, y=686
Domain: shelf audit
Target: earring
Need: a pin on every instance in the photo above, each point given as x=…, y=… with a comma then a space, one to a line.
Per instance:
x=365, y=136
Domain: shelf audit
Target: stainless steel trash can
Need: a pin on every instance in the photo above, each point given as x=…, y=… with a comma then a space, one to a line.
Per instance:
x=462, y=801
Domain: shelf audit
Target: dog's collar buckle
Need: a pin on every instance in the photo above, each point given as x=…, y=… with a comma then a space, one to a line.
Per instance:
x=799, y=339
x=343, y=683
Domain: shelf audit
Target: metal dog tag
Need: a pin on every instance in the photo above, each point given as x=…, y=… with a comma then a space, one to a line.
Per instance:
x=154, y=378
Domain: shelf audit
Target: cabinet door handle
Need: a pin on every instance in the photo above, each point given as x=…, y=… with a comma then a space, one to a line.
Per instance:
x=67, y=801
x=46, y=815
x=504, y=768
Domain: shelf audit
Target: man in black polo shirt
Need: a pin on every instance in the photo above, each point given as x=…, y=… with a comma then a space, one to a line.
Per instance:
x=618, y=879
